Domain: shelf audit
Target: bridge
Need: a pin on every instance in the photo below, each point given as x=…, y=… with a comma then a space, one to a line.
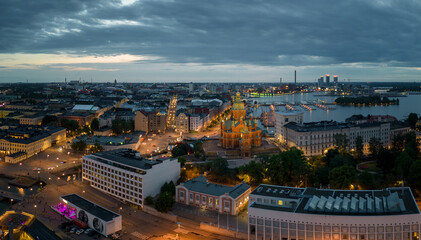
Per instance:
x=10, y=195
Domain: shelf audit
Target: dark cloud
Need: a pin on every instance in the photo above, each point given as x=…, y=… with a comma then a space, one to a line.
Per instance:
x=299, y=32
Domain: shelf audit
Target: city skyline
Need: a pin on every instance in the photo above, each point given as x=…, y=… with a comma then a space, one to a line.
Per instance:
x=218, y=41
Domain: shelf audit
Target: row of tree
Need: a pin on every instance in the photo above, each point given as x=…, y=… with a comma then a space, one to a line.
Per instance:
x=367, y=100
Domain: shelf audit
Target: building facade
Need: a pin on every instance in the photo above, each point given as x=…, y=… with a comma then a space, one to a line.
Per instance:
x=182, y=123
x=216, y=197
x=287, y=213
x=196, y=122
x=25, y=141
x=316, y=138
x=282, y=118
x=239, y=132
x=122, y=173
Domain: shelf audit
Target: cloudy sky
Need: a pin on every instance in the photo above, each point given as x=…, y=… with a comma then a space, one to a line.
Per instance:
x=209, y=40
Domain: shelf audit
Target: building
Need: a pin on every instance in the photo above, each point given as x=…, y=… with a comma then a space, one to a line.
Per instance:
x=358, y=119
x=196, y=122
x=335, y=79
x=20, y=142
x=83, y=118
x=315, y=138
x=287, y=213
x=285, y=117
x=182, y=123
x=141, y=122
x=216, y=197
x=150, y=121
x=238, y=132
x=22, y=225
x=94, y=216
x=268, y=119
x=122, y=173
x=327, y=77
x=320, y=81
x=35, y=119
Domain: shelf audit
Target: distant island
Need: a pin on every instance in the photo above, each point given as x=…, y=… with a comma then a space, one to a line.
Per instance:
x=366, y=100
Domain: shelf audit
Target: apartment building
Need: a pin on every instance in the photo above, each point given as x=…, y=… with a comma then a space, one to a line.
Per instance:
x=182, y=123
x=196, y=122
x=288, y=213
x=285, y=117
x=216, y=197
x=316, y=138
x=150, y=121
x=123, y=174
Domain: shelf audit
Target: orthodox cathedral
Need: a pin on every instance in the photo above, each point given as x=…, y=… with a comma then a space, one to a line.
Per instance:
x=238, y=132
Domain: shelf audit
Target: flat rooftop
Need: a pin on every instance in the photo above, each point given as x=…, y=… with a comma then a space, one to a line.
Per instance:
x=126, y=157
x=389, y=201
x=90, y=207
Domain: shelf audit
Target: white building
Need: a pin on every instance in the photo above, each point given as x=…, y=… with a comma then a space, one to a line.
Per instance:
x=316, y=138
x=123, y=174
x=196, y=122
x=287, y=213
x=285, y=117
x=96, y=217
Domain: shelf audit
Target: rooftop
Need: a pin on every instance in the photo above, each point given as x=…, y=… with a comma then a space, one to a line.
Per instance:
x=327, y=125
x=90, y=207
x=126, y=157
x=389, y=201
x=201, y=184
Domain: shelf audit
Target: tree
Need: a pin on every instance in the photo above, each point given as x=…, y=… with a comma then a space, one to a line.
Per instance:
x=149, y=200
x=164, y=202
x=374, y=146
x=341, y=141
x=342, y=177
x=386, y=160
x=119, y=126
x=182, y=161
x=359, y=147
x=366, y=181
x=414, y=176
x=78, y=146
x=95, y=124
x=96, y=148
x=288, y=168
x=49, y=120
x=71, y=125
x=183, y=176
x=219, y=167
x=412, y=120
x=252, y=173
x=168, y=187
x=402, y=165
x=179, y=150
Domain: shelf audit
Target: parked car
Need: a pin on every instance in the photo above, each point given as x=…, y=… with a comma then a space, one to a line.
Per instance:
x=80, y=231
x=87, y=231
x=73, y=230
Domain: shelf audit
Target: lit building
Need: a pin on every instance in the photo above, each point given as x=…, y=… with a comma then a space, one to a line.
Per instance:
x=315, y=138
x=282, y=118
x=122, y=173
x=22, y=142
x=196, y=122
x=238, y=132
x=182, y=123
x=154, y=121
x=287, y=213
x=82, y=211
x=327, y=77
x=335, y=79
x=216, y=197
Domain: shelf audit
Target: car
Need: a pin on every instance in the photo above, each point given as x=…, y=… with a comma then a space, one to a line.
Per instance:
x=36, y=169
x=80, y=231
x=73, y=230
x=88, y=231
x=62, y=162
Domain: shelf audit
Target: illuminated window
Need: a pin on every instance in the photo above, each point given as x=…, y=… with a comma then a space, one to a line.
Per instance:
x=280, y=202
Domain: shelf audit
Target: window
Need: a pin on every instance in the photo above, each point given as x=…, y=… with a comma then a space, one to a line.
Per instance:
x=182, y=194
x=280, y=202
x=227, y=204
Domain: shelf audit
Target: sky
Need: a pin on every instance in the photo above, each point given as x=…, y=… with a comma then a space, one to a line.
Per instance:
x=209, y=40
